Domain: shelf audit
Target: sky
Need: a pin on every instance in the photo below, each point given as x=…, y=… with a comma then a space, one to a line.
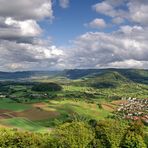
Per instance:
x=68, y=34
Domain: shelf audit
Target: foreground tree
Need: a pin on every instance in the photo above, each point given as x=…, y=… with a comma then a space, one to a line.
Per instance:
x=133, y=138
x=17, y=139
x=72, y=135
x=108, y=133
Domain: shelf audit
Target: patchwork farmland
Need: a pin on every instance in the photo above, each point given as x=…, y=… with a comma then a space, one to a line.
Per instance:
x=41, y=104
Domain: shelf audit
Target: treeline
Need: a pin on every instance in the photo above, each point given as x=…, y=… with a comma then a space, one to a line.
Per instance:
x=35, y=86
x=44, y=87
x=102, y=134
x=25, y=92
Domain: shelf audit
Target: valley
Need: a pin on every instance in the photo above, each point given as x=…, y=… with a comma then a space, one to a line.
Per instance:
x=46, y=109
x=82, y=95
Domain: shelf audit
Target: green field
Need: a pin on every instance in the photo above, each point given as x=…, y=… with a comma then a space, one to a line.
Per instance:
x=64, y=110
x=13, y=106
x=73, y=110
x=23, y=124
x=79, y=107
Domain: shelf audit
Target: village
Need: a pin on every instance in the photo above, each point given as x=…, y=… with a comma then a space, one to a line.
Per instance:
x=134, y=109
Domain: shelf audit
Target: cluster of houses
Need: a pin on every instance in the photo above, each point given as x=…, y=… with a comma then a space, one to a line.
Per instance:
x=38, y=95
x=135, y=109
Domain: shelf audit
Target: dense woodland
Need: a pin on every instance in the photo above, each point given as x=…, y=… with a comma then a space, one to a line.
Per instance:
x=78, y=134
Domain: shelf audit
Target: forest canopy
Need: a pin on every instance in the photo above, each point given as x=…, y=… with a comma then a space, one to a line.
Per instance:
x=44, y=87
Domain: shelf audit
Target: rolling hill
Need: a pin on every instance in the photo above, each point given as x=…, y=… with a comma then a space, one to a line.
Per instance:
x=134, y=75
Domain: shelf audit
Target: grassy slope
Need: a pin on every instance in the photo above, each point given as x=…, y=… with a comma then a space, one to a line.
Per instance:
x=23, y=124
x=79, y=107
x=14, y=106
x=65, y=109
x=69, y=109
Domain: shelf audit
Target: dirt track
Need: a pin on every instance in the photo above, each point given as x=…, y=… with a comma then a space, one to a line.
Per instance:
x=5, y=116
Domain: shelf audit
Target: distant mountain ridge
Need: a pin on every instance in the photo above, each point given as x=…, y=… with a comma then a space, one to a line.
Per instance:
x=25, y=74
x=135, y=75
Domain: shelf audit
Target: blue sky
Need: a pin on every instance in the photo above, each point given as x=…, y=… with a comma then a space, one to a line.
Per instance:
x=69, y=23
x=67, y=34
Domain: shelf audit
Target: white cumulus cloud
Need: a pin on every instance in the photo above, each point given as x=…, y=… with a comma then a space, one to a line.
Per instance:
x=97, y=23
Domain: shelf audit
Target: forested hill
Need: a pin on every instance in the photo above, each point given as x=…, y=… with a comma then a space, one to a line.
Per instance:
x=135, y=75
